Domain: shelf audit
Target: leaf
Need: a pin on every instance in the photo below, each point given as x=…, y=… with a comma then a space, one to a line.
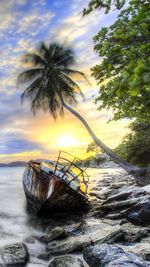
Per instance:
x=147, y=88
x=125, y=74
x=146, y=77
x=134, y=91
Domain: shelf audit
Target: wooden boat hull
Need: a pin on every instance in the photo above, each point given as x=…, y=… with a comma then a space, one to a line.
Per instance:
x=47, y=193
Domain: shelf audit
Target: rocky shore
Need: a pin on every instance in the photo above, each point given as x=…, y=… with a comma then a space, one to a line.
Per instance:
x=112, y=231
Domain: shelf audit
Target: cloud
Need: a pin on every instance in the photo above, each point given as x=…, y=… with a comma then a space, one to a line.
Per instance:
x=7, y=18
x=33, y=23
x=11, y=143
x=23, y=24
x=78, y=31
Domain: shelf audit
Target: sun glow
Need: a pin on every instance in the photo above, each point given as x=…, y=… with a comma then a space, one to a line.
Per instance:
x=67, y=140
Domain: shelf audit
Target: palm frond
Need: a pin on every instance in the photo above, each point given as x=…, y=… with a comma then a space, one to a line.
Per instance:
x=76, y=72
x=76, y=88
x=68, y=60
x=60, y=55
x=31, y=90
x=43, y=51
x=51, y=80
x=35, y=59
x=27, y=75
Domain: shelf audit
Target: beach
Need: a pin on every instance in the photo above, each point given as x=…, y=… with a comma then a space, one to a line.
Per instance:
x=61, y=234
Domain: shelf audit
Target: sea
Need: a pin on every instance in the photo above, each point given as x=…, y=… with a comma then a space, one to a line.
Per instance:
x=16, y=224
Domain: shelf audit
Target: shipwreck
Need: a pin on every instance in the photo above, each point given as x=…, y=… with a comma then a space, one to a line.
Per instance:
x=55, y=185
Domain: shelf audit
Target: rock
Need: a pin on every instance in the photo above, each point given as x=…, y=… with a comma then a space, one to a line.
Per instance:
x=43, y=256
x=91, y=235
x=102, y=193
x=132, y=191
x=30, y=240
x=109, y=164
x=121, y=204
x=123, y=221
x=111, y=222
x=145, y=239
x=133, y=233
x=139, y=214
x=15, y=254
x=118, y=185
x=110, y=256
x=120, y=196
x=66, y=261
x=114, y=216
x=142, y=176
x=140, y=249
x=69, y=245
x=147, y=188
x=73, y=228
x=56, y=234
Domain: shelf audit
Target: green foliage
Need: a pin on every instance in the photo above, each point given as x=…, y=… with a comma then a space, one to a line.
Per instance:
x=93, y=147
x=107, y=5
x=135, y=147
x=124, y=73
x=96, y=161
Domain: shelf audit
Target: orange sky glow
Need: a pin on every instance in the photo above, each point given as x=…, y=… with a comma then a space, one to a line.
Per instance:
x=23, y=25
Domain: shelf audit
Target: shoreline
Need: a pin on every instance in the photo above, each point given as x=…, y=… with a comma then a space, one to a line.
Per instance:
x=67, y=237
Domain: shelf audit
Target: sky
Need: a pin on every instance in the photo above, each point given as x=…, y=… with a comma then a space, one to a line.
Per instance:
x=23, y=24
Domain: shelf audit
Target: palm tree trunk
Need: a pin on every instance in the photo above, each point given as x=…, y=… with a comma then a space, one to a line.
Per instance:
x=124, y=164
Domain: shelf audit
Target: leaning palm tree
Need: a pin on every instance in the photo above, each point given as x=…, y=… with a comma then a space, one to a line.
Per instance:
x=50, y=86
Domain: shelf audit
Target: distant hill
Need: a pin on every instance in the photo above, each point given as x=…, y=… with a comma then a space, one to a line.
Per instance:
x=14, y=164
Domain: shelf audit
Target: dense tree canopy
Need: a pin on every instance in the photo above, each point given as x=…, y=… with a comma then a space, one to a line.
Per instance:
x=124, y=73
x=107, y=5
x=135, y=146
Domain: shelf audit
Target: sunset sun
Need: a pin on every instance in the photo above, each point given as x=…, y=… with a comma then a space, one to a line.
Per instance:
x=67, y=140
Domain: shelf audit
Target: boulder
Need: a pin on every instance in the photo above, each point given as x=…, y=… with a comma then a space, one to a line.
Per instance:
x=145, y=239
x=56, y=234
x=66, y=261
x=139, y=214
x=140, y=249
x=128, y=192
x=92, y=234
x=30, y=240
x=110, y=256
x=15, y=254
x=133, y=233
x=68, y=245
x=121, y=205
x=74, y=228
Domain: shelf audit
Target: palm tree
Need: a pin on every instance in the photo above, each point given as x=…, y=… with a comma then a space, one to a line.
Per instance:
x=51, y=87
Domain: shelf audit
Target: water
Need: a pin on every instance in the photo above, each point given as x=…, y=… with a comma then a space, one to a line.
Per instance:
x=16, y=225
